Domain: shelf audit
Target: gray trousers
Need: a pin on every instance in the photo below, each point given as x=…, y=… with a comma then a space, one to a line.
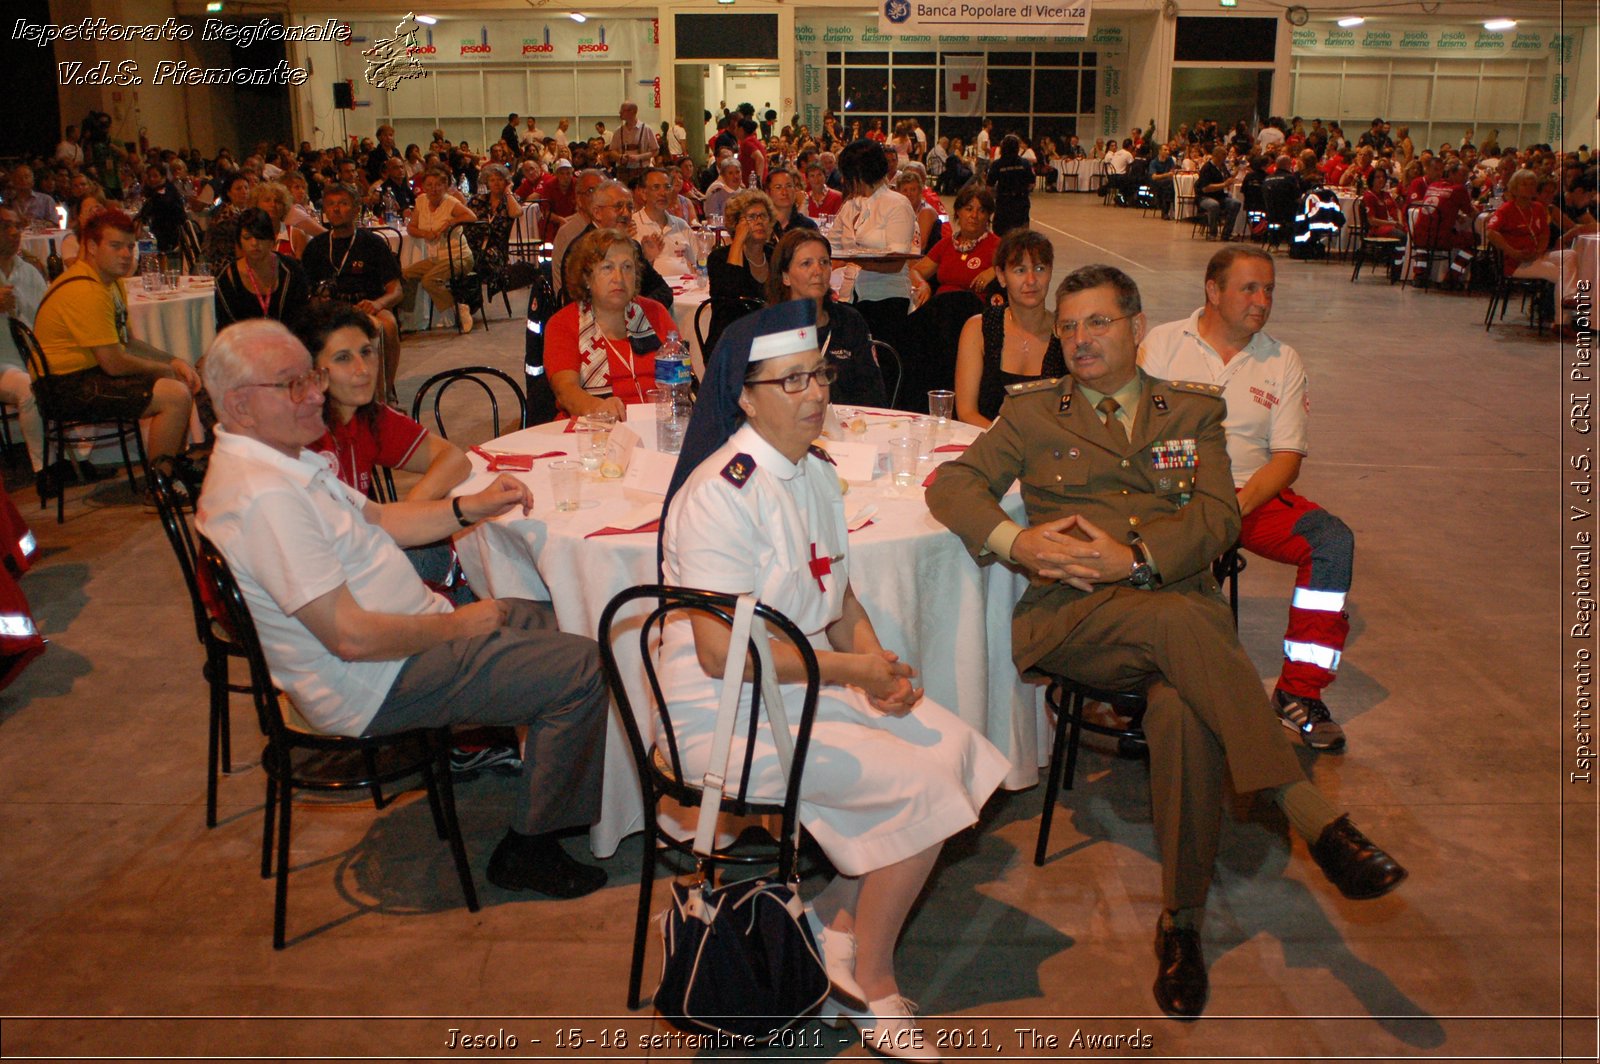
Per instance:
x=1206, y=716
x=525, y=673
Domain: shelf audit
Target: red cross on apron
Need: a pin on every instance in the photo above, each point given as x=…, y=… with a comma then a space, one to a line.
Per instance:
x=820, y=567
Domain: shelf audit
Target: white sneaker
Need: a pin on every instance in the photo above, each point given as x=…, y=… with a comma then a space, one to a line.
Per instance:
x=839, y=958
x=888, y=1026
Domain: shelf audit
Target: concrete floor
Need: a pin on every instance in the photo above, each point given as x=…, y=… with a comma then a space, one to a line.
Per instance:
x=131, y=930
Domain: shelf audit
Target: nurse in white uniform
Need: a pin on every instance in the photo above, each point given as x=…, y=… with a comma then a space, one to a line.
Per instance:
x=889, y=775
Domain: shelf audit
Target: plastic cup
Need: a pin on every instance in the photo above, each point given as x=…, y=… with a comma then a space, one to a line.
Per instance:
x=921, y=431
x=594, y=431
x=169, y=280
x=903, y=460
x=941, y=408
x=566, y=483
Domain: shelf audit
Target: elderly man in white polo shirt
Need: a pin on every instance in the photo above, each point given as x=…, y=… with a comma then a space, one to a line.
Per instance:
x=355, y=638
x=1265, y=387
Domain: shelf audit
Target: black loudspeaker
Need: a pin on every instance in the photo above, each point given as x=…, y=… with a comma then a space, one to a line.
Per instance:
x=344, y=95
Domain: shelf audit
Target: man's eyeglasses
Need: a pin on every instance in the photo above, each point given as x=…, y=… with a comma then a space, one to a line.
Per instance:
x=1097, y=324
x=297, y=387
x=795, y=383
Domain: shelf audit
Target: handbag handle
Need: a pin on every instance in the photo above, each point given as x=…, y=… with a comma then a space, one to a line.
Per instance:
x=745, y=623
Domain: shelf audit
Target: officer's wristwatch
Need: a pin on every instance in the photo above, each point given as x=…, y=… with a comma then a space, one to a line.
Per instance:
x=1143, y=574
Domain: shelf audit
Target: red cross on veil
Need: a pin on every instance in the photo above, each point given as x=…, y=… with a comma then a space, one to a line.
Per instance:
x=820, y=567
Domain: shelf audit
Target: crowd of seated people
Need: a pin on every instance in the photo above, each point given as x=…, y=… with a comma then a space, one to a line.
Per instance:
x=259, y=219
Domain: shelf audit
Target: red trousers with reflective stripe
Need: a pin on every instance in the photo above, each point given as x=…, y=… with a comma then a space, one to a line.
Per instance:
x=1276, y=530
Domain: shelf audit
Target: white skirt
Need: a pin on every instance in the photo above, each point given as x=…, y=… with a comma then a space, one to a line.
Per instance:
x=874, y=790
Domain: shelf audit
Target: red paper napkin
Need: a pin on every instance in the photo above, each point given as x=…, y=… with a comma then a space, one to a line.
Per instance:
x=858, y=528
x=950, y=448
x=927, y=481
x=512, y=463
x=612, y=530
x=572, y=426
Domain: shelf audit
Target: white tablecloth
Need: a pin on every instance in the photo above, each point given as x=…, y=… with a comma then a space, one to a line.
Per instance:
x=928, y=600
x=182, y=323
x=687, y=296
x=1183, y=194
x=1073, y=174
x=36, y=242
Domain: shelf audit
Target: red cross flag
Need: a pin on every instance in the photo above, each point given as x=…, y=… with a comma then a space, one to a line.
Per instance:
x=963, y=85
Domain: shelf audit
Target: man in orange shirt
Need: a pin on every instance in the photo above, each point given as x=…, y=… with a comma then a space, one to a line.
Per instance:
x=97, y=369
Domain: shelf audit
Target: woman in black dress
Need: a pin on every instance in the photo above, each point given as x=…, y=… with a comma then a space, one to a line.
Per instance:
x=1012, y=179
x=1012, y=343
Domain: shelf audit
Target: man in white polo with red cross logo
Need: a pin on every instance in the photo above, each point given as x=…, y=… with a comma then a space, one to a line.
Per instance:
x=1264, y=383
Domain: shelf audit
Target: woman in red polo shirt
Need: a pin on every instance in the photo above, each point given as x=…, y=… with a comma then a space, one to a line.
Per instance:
x=599, y=350
x=364, y=433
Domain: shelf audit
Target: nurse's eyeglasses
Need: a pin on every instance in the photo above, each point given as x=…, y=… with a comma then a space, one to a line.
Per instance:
x=795, y=383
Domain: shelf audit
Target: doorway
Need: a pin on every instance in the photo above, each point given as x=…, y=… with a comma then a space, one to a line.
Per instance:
x=1226, y=94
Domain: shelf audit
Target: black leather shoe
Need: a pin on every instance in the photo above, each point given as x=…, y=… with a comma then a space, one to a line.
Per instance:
x=1181, y=985
x=542, y=866
x=1353, y=863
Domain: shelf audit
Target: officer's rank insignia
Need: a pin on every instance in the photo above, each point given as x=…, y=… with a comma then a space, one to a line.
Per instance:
x=738, y=470
x=1159, y=402
x=822, y=453
x=1173, y=454
x=1066, y=403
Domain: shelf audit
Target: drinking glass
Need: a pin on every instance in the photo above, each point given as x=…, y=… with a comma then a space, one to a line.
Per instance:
x=566, y=484
x=595, y=434
x=903, y=460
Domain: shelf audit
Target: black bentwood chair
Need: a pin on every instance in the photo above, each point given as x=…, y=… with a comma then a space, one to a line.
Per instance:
x=58, y=422
x=424, y=751
x=214, y=637
x=482, y=376
x=660, y=767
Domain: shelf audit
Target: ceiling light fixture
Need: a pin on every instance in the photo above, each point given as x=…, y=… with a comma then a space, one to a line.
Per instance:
x=1498, y=25
x=427, y=20
x=1351, y=22
x=578, y=16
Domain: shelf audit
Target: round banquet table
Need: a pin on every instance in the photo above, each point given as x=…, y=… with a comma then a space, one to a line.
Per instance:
x=182, y=322
x=929, y=601
x=36, y=242
x=688, y=292
x=1183, y=195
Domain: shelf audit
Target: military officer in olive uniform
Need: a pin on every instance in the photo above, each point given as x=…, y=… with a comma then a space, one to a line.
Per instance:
x=1129, y=497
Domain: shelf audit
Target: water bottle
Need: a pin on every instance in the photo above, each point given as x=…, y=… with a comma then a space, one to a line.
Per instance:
x=149, y=264
x=672, y=394
x=391, y=208
x=53, y=264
